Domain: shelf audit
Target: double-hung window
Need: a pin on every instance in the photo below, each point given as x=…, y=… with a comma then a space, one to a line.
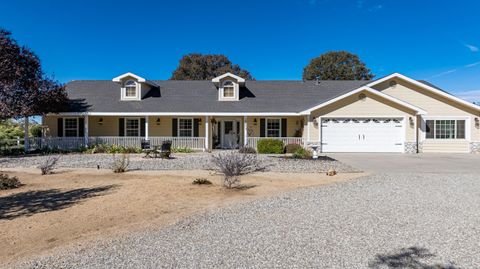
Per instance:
x=445, y=129
x=132, y=127
x=273, y=128
x=71, y=127
x=130, y=89
x=228, y=89
x=185, y=127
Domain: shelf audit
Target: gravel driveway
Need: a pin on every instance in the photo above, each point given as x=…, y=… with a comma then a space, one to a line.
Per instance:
x=379, y=221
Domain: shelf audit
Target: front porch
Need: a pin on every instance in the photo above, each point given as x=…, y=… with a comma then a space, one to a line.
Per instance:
x=198, y=133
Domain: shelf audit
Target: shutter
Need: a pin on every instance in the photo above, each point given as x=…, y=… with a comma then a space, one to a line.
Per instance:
x=174, y=127
x=121, y=127
x=262, y=127
x=81, y=127
x=60, y=127
x=284, y=128
x=142, y=127
x=196, y=125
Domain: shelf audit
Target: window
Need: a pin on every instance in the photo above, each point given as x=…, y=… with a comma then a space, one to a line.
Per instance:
x=185, y=127
x=273, y=128
x=130, y=88
x=132, y=127
x=445, y=129
x=71, y=127
x=228, y=89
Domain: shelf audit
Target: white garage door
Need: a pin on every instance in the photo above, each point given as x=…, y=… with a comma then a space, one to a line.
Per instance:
x=362, y=135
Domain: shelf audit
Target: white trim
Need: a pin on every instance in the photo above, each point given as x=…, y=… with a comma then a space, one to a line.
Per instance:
x=425, y=86
x=178, y=126
x=468, y=127
x=207, y=138
x=85, y=130
x=128, y=74
x=178, y=114
x=124, y=96
x=146, y=127
x=372, y=91
x=239, y=80
x=280, y=127
x=78, y=126
x=245, y=131
x=125, y=126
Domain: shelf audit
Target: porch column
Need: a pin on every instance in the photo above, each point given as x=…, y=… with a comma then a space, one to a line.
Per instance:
x=207, y=137
x=85, y=130
x=25, y=135
x=146, y=127
x=245, y=131
x=308, y=131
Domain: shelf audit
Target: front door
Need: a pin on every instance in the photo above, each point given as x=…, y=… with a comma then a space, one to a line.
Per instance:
x=229, y=134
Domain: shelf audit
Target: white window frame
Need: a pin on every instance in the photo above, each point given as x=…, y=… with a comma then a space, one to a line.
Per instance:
x=178, y=127
x=279, y=126
x=467, y=128
x=232, y=86
x=139, y=127
x=65, y=125
x=124, y=90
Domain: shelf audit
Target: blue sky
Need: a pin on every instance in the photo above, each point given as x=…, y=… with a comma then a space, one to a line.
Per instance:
x=434, y=40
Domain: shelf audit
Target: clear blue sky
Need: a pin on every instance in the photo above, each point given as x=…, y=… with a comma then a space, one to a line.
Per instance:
x=434, y=40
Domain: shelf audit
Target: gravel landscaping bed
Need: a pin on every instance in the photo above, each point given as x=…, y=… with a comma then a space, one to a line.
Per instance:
x=378, y=221
x=178, y=162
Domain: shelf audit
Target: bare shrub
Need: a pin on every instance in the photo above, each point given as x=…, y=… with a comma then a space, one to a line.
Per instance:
x=234, y=164
x=48, y=165
x=202, y=181
x=8, y=182
x=120, y=165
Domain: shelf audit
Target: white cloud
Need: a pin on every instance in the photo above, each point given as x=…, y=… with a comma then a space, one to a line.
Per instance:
x=472, y=48
x=472, y=64
x=375, y=8
x=471, y=96
x=454, y=70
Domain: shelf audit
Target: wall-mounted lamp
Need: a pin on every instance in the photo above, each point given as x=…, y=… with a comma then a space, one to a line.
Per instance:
x=477, y=122
x=200, y=120
x=158, y=121
x=315, y=122
x=410, y=119
x=100, y=121
x=255, y=121
x=213, y=121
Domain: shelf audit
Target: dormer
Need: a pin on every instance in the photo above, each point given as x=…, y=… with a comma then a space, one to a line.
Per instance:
x=133, y=87
x=228, y=86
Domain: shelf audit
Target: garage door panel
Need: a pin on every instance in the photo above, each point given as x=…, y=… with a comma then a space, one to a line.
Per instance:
x=362, y=135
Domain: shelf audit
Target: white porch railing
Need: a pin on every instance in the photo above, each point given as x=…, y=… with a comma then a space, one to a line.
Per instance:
x=253, y=141
x=68, y=143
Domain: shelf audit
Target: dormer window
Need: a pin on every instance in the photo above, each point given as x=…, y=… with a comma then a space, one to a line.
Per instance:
x=130, y=89
x=228, y=89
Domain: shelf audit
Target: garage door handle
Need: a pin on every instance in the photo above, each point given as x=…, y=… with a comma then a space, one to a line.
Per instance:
x=358, y=137
x=363, y=137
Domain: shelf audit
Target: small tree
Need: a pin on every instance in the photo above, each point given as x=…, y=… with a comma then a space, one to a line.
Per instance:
x=196, y=66
x=337, y=65
x=234, y=164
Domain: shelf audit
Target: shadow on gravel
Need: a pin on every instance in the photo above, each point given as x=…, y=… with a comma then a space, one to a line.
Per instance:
x=408, y=258
x=32, y=202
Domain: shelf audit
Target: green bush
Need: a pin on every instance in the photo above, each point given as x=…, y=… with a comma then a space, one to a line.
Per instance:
x=270, y=146
x=291, y=148
x=247, y=150
x=7, y=182
x=111, y=149
x=182, y=150
x=302, y=153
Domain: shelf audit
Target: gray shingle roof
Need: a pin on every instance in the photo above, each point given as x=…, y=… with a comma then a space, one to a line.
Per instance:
x=202, y=96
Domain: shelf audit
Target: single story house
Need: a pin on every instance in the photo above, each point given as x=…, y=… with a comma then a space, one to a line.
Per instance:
x=391, y=114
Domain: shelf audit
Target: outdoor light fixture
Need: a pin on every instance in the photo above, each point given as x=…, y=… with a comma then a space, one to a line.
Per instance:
x=255, y=121
x=477, y=122
x=100, y=121
x=411, y=121
x=158, y=121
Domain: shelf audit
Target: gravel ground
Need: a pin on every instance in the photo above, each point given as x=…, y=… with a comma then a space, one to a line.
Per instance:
x=378, y=221
x=178, y=162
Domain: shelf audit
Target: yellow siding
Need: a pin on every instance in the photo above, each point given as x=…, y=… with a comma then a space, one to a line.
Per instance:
x=370, y=106
x=446, y=146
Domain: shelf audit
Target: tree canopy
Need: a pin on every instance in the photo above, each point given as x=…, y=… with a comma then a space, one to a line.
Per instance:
x=24, y=89
x=196, y=66
x=337, y=65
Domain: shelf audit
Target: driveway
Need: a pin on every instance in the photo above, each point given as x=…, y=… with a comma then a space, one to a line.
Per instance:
x=410, y=220
x=411, y=163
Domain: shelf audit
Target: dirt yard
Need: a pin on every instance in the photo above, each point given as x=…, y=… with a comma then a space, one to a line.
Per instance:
x=73, y=206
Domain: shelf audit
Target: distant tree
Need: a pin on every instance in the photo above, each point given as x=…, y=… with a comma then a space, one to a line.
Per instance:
x=24, y=89
x=196, y=66
x=337, y=65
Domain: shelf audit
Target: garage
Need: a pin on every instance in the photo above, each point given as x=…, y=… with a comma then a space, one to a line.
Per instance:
x=362, y=134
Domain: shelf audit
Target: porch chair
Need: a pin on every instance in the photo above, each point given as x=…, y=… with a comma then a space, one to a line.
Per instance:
x=166, y=149
x=146, y=148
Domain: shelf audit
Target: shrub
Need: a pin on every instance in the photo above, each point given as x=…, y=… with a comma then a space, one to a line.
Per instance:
x=7, y=182
x=111, y=149
x=302, y=153
x=247, y=150
x=234, y=164
x=270, y=146
x=48, y=165
x=120, y=165
x=182, y=150
x=291, y=148
x=202, y=181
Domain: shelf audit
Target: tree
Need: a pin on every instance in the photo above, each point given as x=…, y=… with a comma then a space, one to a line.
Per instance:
x=337, y=65
x=196, y=66
x=24, y=89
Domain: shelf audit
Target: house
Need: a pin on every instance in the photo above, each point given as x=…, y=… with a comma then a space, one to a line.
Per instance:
x=392, y=114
